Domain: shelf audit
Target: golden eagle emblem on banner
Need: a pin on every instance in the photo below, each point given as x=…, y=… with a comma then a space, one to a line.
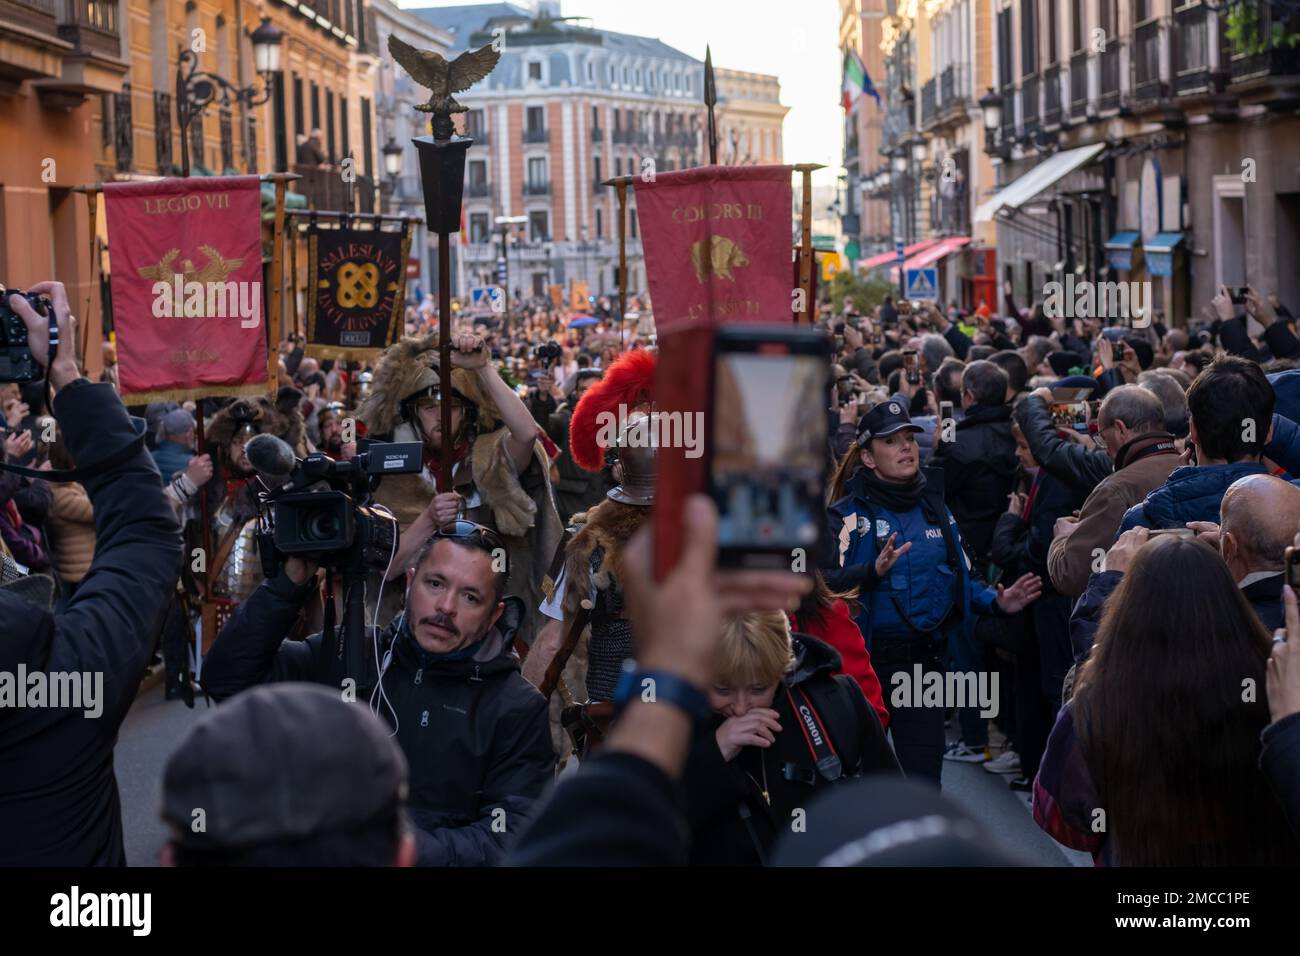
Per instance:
x=215, y=269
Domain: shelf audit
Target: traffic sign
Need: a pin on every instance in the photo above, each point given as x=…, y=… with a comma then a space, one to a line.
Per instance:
x=486, y=297
x=923, y=284
x=898, y=250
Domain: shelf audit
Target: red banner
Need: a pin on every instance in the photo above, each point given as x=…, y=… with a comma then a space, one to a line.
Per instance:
x=717, y=245
x=186, y=258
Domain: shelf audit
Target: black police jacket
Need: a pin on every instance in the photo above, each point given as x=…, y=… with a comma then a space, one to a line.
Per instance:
x=59, y=803
x=474, y=732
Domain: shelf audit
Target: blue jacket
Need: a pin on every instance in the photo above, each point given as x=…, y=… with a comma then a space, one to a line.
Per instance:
x=171, y=458
x=1285, y=446
x=929, y=586
x=1192, y=493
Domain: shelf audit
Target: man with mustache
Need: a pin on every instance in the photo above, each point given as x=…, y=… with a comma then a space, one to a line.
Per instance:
x=445, y=677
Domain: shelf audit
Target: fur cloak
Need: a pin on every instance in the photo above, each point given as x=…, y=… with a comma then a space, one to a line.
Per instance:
x=519, y=506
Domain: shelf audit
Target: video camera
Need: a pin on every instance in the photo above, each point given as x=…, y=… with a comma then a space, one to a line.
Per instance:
x=16, y=362
x=321, y=509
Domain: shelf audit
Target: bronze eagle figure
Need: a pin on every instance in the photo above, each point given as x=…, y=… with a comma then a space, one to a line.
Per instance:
x=431, y=70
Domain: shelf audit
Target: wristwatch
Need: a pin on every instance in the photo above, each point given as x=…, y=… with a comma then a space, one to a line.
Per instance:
x=659, y=687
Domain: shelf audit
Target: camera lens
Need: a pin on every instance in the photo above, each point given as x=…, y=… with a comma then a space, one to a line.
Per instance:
x=321, y=526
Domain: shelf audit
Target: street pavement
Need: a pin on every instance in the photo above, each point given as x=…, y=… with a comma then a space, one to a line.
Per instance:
x=155, y=726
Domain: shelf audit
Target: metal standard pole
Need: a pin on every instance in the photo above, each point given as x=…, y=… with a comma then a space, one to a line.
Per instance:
x=444, y=361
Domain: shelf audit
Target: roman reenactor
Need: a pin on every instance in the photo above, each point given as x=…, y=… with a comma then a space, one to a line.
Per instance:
x=500, y=470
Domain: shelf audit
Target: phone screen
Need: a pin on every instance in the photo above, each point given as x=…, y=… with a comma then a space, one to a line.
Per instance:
x=1292, y=563
x=910, y=367
x=767, y=467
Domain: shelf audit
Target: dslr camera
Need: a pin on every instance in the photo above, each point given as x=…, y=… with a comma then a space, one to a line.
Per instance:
x=324, y=512
x=16, y=362
x=548, y=353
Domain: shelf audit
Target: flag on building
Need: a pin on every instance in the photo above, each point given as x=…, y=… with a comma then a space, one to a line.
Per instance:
x=856, y=81
x=187, y=287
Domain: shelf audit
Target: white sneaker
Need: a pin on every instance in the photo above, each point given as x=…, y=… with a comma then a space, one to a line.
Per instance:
x=1008, y=762
x=960, y=752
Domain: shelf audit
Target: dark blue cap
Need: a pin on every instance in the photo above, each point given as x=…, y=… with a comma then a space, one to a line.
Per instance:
x=885, y=419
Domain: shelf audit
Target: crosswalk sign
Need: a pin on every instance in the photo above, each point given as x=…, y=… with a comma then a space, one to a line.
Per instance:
x=923, y=284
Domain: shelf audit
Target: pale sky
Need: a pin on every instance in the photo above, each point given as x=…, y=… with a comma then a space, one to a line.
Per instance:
x=797, y=41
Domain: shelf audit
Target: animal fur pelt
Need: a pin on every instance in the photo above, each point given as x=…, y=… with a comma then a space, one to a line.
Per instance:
x=608, y=526
x=407, y=367
x=264, y=417
x=629, y=381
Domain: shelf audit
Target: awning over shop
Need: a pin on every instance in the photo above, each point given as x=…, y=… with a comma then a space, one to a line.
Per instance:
x=1160, y=252
x=1047, y=173
x=890, y=258
x=935, y=253
x=1119, y=250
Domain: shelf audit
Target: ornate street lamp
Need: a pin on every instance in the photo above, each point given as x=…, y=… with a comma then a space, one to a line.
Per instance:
x=195, y=90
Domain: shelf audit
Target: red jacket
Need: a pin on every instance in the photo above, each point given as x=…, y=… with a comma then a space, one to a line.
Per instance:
x=838, y=630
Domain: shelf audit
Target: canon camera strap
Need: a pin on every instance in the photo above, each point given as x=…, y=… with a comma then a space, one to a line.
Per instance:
x=815, y=735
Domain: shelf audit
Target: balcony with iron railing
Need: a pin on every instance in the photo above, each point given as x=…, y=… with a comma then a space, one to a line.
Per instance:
x=1007, y=131
x=1190, y=50
x=1079, y=84
x=1266, y=47
x=1029, y=105
x=1052, y=96
x=91, y=25
x=542, y=135
x=1150, y=39
x=478, y=190
x=597, y=134
x=537, y=188
x=1108, y=69
x=929, y=103
x=480, y=136
x=326, y=189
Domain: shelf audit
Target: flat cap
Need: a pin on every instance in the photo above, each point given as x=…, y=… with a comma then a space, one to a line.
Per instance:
x=280, y=762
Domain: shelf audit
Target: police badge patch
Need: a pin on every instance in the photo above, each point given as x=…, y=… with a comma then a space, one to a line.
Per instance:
x=895, y=408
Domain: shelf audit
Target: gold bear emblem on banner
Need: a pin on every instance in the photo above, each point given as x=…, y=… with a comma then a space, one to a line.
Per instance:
x=717, y=255
x=358, y=285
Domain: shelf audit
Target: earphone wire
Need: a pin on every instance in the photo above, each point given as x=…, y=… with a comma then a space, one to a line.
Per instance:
x=375, y=707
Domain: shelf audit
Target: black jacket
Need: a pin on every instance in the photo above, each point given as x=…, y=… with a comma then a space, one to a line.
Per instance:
x=979, y=472
x=1280, y=762
x=1080, y=468
x=617, y=810
x=720, y=796
x=474, y=732
x=58, y=794
x=1019, y=546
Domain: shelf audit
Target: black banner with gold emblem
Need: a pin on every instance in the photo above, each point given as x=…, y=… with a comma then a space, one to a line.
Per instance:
x=356, y=290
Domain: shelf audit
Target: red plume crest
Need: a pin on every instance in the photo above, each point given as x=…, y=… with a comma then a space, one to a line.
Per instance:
x=629, y=381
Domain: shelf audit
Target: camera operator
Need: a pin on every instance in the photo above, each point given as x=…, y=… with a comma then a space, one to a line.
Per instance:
x=59, y=803
x=446, y=678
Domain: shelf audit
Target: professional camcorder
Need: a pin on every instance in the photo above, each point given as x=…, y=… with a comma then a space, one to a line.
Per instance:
x=321, y=509
x=16, y=362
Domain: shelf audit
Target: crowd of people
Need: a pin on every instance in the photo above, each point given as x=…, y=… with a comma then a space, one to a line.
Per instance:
x=1098, y=516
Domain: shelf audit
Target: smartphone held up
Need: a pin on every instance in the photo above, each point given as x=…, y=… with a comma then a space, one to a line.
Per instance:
x=763, y=396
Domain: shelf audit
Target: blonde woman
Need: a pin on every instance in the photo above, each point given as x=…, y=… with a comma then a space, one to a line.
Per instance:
x=786, y=724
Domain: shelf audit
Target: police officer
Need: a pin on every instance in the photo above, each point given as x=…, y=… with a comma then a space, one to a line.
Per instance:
x=898, y=544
